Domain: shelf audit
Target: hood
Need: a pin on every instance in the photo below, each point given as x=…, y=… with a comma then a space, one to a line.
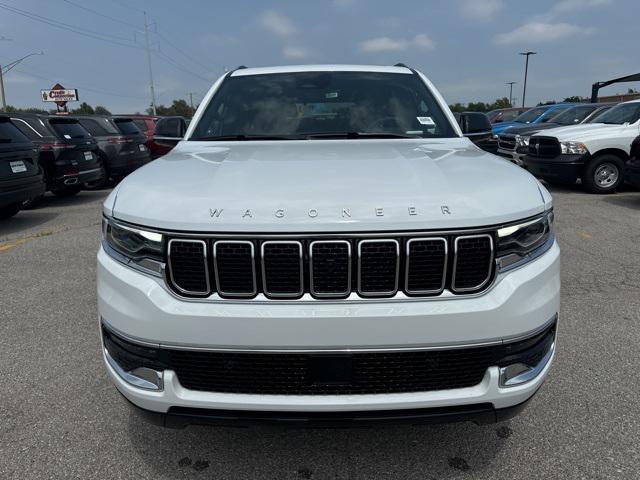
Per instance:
x=326, y=186
x=585, y=131
x=531, y=128
x=502, y=126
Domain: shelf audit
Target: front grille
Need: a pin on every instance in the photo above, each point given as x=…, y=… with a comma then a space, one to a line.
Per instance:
x=331, y=374
x=507, y=142
x=473, y=262
x=544, y=147
x=188, y=266
x=331, y=267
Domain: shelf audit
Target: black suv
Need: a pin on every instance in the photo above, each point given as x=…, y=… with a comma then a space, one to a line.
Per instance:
x=121, y=145
x=68, y=153
x=20, y=175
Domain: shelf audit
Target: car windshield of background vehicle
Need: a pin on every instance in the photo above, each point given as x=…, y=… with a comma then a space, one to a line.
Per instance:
x=69, y=130
x=572, y=116
x=510, y=116
x=9, y=133
x=530, y=115
x=306, y=105
x=623, y=113
x=127, y=127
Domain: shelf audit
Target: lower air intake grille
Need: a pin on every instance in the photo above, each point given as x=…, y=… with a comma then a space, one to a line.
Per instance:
x=378, y=273
x=307, y=374
x=188, y=266
x=473, y=265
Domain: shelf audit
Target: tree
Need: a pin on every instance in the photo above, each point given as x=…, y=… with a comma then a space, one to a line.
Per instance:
x=100, y=110
x=480, y=106
x=84, y=108
x=178, y=107
x=576, y=99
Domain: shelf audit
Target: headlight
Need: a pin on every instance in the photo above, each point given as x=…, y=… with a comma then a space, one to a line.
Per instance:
x=518, y=244
x=132, y=246
x=522, y=140
x=576, y=148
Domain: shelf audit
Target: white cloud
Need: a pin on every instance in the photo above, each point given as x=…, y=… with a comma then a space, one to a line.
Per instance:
x=295, y=53
x=540, y=32
x=387, y=44
x=277, y=24
x=483, y=10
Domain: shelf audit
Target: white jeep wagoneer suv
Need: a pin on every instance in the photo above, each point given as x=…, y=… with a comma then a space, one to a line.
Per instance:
x=325, y=246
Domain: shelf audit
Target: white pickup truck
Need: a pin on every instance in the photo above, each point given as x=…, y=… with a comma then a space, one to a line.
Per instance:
x=325, y=246
x=595, y=153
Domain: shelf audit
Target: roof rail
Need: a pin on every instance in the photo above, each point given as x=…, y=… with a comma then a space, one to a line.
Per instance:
x=399, y=64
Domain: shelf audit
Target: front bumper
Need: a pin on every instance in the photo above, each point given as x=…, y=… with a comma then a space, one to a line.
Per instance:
x=142, y=308
x=563, y=168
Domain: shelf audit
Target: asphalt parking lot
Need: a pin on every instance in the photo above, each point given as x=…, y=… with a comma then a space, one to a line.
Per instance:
x=62, y=418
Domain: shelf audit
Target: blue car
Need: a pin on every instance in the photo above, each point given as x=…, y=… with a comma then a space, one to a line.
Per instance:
x=541, y=114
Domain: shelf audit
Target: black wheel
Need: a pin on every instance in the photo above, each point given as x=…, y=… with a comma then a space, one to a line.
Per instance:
x=32, y=202
x=603, y=174
x=67, y=191
x=9, y=211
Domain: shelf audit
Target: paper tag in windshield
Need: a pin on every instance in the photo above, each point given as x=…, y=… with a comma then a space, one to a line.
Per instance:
x=425, y=120
x=68, y=137
x=331, y=95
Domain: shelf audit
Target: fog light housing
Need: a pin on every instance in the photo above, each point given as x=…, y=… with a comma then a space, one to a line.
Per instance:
x=524, y=361
x=137, y=365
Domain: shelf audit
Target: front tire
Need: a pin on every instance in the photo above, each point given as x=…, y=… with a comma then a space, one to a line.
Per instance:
x=9, y=211
x=603, y=174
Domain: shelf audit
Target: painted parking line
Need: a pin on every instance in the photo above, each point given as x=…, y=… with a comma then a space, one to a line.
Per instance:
x=5, y=246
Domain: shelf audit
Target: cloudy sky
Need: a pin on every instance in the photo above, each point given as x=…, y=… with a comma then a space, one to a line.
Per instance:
x=469, y=48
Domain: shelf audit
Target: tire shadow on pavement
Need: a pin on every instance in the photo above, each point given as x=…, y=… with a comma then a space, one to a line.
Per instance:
x=424, y=452
x=25, y=220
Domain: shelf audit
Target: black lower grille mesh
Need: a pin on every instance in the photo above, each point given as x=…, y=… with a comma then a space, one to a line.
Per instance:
x=282, y=264
x=378, y=267
x=331, y=263
x=426, y=263
x=545, y=147
x=235, y=269
x=473, y=262
x=188, y=266
x=306, y=374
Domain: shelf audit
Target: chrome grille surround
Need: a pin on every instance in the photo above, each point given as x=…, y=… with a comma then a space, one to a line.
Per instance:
x=222, y=293
x=378, y=293
x=312, y=286
x=205, y=263
x=265, y=282
x=408, y=265
x=455, y=263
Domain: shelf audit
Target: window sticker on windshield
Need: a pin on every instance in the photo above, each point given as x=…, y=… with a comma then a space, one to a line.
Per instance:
x=331, y=95
x=68, y=137
x=425, y=120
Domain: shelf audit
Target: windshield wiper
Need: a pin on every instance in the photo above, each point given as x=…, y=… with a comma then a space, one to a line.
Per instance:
x=357, y=135
x=241, y=137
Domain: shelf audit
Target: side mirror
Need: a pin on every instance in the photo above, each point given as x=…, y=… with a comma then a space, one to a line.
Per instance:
x=474, y=124
x=169, y=131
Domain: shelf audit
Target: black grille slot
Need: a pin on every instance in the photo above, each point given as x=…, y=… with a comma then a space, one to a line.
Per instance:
x=282, y=273
x=188, y=266
x=308, y=374
x=473, y=262
x=378, y=262
x=235, y=268
x=330, y=268
x=545, y=147
x=507, y=142
x=426, y=265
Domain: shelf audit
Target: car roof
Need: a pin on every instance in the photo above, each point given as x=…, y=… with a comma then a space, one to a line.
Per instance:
x=320, y=68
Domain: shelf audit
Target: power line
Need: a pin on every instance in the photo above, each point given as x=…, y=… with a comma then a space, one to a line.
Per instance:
x=185, y=54
x=180, y=67
x=95, y=12
x=67, y=27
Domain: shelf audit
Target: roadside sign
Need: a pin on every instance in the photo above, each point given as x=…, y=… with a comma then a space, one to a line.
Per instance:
x=59, y=94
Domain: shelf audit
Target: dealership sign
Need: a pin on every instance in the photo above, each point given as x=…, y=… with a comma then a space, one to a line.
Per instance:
x=59, y=94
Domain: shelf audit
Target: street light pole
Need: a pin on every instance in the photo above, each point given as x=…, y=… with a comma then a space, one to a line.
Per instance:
x=526, y=70
x=6, y=69
x=510, y=92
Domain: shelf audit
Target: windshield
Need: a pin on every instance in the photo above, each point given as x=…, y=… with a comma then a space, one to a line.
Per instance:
x=127, y=127
x=623, y=113
x=573, y=115
x=530, y=115
x=323, y=104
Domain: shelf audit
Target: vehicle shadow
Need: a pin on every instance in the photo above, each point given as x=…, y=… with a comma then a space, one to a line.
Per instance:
x=25, y=220
x=424, y=452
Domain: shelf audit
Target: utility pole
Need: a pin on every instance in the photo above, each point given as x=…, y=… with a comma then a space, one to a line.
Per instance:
x=4, y=102
x=146, y=40
x=510, y=92
x=191, y=103
x=526, y=70
x=7, y=69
